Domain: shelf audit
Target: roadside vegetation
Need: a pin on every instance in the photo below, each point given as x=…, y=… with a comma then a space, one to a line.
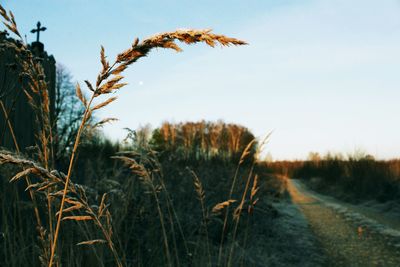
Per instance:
x=188, y=194
x=182, y=194
x=358, y=177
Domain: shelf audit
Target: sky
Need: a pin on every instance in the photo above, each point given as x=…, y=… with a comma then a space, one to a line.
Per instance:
x=322, y=75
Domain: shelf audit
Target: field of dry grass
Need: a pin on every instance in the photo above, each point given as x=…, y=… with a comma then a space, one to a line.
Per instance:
x=184, y=195
x=163, y=209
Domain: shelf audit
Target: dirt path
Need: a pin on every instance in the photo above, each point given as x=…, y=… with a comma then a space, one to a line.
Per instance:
x=347, y=238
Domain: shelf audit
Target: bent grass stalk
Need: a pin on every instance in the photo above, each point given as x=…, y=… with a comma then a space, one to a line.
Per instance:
x=123, y=60
x=108, y=81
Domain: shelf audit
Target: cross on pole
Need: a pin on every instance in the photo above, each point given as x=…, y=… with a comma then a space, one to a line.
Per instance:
x=38, y=30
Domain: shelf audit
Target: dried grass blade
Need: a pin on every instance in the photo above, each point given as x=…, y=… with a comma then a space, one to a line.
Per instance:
x=119, y=69
x=246, y=151
x=111, y=84
x=71, y=201
x=3, y=13
x=72, y=208
x=222, y=205
x=22, y=173
x=102, y=205
x=80, y=95
x=105, y=103
x=89, y=85
x=78, y=218
x=91, y=242
x=47, y=185
x=104, y=121
x=254, y=188
x=34, y=185
x=103, y=60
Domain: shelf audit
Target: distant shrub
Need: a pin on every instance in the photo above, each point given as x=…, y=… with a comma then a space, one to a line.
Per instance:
x=358, y=177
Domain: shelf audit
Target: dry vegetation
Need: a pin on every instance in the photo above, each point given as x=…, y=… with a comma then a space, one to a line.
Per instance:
x=358, y=177
x=185, y=195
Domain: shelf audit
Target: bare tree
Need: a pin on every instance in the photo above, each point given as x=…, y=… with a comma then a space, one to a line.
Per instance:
x=68, y=113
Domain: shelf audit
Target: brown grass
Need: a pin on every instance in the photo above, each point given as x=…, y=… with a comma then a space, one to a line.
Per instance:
x=57, y=186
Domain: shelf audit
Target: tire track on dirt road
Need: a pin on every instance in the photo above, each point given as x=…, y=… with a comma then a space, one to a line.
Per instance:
x=346, y=242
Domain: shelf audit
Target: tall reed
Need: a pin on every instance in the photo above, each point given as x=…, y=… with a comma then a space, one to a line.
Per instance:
x=55, y=184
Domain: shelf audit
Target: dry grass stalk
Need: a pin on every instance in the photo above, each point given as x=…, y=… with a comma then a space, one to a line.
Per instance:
x=33, y=74
x=80, y=95
x=91, y=242
x=33, y=71
x=221, y=206
x=245, y=153
x=198, y=187
x=239, y=209
x=76, y=196
x=103, y=121
x=201, y=196
x=3, y=108
x=108, y=81
x=253, y=201
x=147, y=178
x=106, y=85
x=9, y=21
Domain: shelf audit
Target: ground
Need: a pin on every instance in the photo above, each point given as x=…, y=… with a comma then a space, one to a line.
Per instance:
x=348, y=236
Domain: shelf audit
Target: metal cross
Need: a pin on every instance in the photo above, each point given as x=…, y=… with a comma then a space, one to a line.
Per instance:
x=38, y=30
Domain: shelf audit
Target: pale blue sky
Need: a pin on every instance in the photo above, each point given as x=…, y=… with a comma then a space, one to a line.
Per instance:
x=324, y=75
